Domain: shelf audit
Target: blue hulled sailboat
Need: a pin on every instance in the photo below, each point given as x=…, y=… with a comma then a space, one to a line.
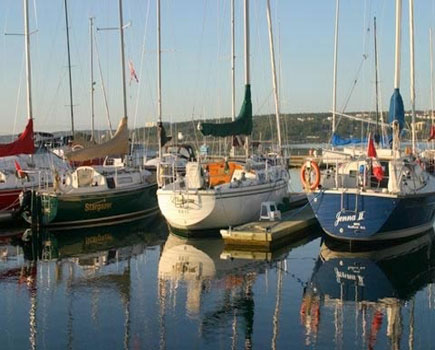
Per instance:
x=378, y=195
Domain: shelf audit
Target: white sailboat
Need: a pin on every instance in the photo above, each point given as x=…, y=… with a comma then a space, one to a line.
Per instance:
x=225, y=193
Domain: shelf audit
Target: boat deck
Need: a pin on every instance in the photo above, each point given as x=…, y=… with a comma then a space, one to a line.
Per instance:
x=267, y=234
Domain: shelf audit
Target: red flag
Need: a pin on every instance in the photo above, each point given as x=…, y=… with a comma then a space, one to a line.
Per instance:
x=371, y=150
x=133, y=74
x=378, y=171
x=432, y=133
x=20, y=173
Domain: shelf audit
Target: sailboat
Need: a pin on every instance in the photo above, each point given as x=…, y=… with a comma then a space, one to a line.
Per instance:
x=219, y=194
x=91, y=196
x=21, y=165
x=371, y=197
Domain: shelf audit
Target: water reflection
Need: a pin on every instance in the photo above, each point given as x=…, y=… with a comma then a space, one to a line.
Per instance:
x=196, y=263
x=372, y=288
x=69, y=274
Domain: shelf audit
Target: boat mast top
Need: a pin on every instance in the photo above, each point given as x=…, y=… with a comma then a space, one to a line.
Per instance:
x=412, y=72
x=247, y=61
x=233, y=64
x=121, y=31
x=28, y=65
x=398, y=43
x=274, y=80
x=71, y=104
x=334, y=86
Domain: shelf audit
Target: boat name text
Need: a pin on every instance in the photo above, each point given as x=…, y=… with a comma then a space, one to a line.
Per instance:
x=98, y=206
x=344, y=217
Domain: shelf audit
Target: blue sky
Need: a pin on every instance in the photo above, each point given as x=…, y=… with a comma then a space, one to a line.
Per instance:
x=196, y=58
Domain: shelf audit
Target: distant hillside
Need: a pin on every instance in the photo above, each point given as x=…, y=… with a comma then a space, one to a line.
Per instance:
x=296, y=128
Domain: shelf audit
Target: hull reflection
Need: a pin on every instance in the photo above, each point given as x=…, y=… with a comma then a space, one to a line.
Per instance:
x=371, y=285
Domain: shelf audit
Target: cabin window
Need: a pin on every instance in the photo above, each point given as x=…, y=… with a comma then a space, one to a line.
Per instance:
x=125, y=180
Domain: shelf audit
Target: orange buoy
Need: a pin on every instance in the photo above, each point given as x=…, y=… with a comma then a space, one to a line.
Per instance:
x=310, y=167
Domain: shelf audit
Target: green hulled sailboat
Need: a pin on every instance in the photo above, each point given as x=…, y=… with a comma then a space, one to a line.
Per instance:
x=92, y=196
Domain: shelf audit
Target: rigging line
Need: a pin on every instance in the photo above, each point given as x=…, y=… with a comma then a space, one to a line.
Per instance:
x=18, y=97
x=142, y=59
x=355, y=81
x=106, y=105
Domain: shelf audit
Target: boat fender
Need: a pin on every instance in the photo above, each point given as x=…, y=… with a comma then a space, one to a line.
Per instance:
x=308, y=168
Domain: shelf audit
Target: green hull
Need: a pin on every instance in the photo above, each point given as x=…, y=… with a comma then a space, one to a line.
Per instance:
x=75, y=210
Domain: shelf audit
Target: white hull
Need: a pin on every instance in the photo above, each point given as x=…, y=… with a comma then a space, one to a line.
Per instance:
x=215, y=208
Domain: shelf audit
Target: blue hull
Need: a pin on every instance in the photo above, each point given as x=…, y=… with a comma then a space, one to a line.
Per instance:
x=372, y=217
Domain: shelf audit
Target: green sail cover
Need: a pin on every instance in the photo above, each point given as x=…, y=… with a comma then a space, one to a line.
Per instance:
x=242, y=125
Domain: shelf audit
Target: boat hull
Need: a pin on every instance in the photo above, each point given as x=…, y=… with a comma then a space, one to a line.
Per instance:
x=199, y=210
x=9, y=201
x=100, y=208
x=365, y=217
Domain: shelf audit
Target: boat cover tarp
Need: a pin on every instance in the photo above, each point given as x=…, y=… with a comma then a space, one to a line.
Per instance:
x=117, y=145
x=397, y=111
x=24, y=144
x=242, y=125
x=337, y=140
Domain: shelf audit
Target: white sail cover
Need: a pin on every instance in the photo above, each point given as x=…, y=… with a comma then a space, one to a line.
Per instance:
x=117, y=145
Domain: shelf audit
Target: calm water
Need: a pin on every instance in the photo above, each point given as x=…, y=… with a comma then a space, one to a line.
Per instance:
x=138, y=287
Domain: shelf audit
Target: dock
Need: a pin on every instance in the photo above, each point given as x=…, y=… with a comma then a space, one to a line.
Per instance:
x=267, y=235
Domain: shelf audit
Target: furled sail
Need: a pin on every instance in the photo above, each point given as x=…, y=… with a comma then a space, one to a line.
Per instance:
x=397, y=111
x=117, y=145
x=23, y=145
x=164, y=139
x=242, y=125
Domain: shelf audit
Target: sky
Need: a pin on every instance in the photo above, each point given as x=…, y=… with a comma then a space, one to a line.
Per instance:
x=196, y=66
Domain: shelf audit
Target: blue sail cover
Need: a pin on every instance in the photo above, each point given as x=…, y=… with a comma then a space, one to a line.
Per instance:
x=397, y=111
x=337, y=140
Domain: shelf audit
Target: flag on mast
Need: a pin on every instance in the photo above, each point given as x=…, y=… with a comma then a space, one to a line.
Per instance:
x=133, y=74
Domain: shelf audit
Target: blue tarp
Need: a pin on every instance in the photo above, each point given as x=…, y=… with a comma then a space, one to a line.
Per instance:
x=337, y=140
x=397, y=111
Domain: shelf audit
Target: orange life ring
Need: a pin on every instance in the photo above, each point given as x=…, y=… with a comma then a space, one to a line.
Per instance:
x=312, y=167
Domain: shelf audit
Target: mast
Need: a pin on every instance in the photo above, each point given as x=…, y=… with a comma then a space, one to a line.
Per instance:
x=334, y=87
x=431, y=75
x=377, y=136
x=247, y=61
x=412, y=72
x=272, y=62
x=121, y=31
x=159, y=80
x=28, y=65
x=91, y=34
x=233, y=64
x=69, y=69
x=233, y=75
x=398, y=44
